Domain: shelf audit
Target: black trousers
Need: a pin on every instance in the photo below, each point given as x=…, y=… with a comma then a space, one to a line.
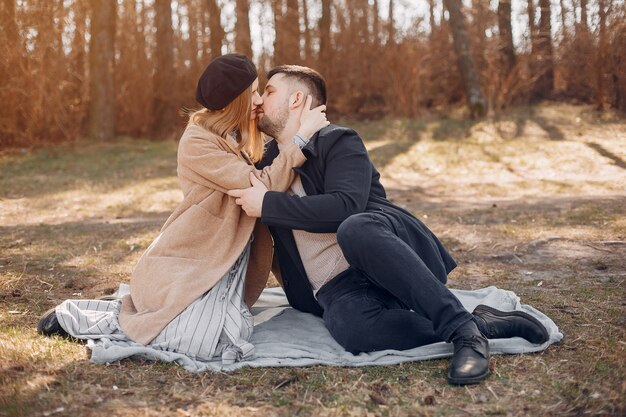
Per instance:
x=394, y=295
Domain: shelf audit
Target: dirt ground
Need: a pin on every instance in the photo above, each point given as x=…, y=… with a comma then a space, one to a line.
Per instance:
x=533, y=202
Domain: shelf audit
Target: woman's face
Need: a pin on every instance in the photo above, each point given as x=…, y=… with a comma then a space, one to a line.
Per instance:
x=256, y=99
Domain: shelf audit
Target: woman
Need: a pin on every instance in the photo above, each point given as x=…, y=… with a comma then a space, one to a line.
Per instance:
x=187, y=290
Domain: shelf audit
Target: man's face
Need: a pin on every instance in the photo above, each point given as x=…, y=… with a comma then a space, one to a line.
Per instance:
x=274, y=112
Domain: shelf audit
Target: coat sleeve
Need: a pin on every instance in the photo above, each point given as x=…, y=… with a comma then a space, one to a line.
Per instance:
x=207, y=162
x=347, y=181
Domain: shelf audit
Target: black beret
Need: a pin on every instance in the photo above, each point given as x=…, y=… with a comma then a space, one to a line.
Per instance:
x=224, y=79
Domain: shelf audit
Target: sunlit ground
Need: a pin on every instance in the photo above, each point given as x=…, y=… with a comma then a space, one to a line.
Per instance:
x=533, y=202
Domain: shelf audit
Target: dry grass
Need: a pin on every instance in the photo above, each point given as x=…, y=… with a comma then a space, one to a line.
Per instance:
x=532, y=202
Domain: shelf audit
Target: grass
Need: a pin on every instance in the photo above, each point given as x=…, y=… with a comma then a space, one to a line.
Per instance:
x=531, y=201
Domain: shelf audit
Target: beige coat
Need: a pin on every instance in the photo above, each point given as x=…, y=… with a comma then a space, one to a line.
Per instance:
x=205, y=235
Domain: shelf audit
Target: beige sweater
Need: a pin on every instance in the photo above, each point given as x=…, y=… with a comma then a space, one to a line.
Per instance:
x=320, y=253
x=205, y=234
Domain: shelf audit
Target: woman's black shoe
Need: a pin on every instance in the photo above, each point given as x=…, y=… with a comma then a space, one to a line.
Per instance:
x=49, y=325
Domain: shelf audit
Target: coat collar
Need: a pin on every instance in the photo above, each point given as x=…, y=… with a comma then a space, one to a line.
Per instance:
x=311, y=149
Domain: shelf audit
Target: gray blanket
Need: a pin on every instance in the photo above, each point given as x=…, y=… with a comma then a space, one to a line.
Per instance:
x=285, y=337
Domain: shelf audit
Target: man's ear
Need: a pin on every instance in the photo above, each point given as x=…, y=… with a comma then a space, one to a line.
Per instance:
x=296, y=99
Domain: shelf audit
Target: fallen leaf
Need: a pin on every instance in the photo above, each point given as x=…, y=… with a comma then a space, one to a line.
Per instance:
x=429, y=400
x=377, y=398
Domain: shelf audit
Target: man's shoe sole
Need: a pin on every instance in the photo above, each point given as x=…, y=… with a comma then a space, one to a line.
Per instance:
x=544, y=332
x=468, y=381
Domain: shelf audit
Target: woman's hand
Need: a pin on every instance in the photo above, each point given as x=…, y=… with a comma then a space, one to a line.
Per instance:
x=312, y=120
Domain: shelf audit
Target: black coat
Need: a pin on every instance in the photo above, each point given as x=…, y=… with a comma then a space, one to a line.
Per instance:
x=339, y=180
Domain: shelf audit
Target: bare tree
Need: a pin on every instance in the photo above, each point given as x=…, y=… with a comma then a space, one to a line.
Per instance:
x=8, y=16
x=375, y=23
x=391, y=31
x=215, y=26
x=64, y=76
x=601, y=66
x=431, y=15
x=292, y=32
x=325, y=46
x=287, y=29
x=78, y=59
x=544, y=59
x=308, y=47
x=10, y=68
x=195, y=41
x=467, y=67
x=583, y=15
x=163, y=112
x=101, y=66
x=563, y=19
x=243, y=42
x=506, y=34
x=531, y=25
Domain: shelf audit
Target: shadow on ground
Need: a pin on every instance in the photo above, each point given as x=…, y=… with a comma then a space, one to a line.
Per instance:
x=99, y=166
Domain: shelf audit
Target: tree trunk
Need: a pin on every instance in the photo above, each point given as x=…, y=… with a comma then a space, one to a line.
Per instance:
x=287, y=29
x=391, y=31
x=467, y=67
x=292, y=31
x=101, y=65
x=376, y=24
x=563, y=19
x=163, y=111
x=308, y=48
x=9, y=24
x=78, y=60
x=544, y=59
x=601, y=66
x=243, y=42
x=431, y=10
x=531, y=26
x=480, y=10
x=77, y=63
x=357, y=12
x=583, y=15
x=325, y=46
x=10, y=73
x=365, y=21
x=215, y=26
x=195, y=41
x=279, y=32
x=506, y=35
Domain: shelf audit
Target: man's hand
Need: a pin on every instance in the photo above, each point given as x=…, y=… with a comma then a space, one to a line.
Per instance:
x=250, y=199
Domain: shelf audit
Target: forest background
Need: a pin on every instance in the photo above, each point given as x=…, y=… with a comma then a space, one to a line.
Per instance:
x=499, y=123
x=74, y=69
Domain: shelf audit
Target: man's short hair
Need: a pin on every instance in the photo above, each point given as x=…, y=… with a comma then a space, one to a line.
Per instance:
x=311, y=79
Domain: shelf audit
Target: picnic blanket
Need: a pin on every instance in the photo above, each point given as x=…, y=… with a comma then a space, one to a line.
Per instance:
x=284, y=337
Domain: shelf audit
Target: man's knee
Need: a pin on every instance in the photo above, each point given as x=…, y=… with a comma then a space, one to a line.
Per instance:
x=357, y=229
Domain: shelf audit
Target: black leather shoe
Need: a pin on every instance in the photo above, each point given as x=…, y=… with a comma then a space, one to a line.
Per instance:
x=49, y=325
x=470, y=363
x=496, y=324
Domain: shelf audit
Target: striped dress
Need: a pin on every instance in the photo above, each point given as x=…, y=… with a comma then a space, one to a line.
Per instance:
x=218, y=325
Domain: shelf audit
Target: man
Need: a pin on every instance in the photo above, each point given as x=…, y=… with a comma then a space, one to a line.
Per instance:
x=373, y=271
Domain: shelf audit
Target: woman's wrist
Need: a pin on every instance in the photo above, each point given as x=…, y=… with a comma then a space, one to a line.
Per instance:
x=300, y=140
